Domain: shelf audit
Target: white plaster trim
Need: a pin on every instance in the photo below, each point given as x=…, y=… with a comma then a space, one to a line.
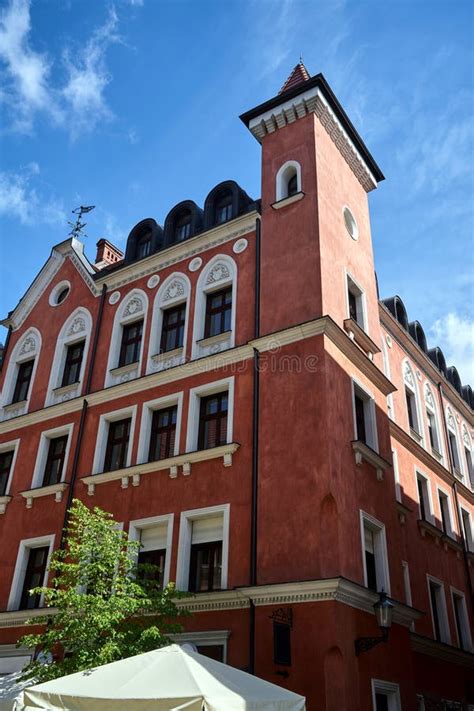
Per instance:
x=159, y=306
x=136, y=526
x=465, y=621
x=391, y=689
x=283, y=176
x=369, y=413
x=407, y=583
x=451, y=531
x=16, y=358
x=42, y=453
x=14, y=445
x=442, y=612
x=184, y=544
x=20, y=568
x=432, y=408
x=121, y=320
x=103, y=431
x=208, y=638
x=429, y=509
x=148, y=409
x=409, y=372
x=52, y=489
x=195, y=394
x=381, y=556
x=350, y=284
x=64, y=340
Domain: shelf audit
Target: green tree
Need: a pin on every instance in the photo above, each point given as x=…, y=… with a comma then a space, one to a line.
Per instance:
x=103, y=606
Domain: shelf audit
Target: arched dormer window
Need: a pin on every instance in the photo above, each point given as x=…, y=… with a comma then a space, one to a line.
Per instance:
x=412, y=402
x=225, y=202
x=416, y=332
x=433, y=423
x=453, y=377
x=467, y=444
x=126, y=343
x=453, y=442
x=70, y=356
x=215, y=307
x=145, y=239
x=20, y=375
x=183, y=221
x=397, y=308
x=169, y=325
x=437, y=357
x=144, y=245
x=288, y=180
x=223, y=208
x=182, y=228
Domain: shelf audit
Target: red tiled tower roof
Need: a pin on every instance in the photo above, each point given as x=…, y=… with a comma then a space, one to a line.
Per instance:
x=297, y=76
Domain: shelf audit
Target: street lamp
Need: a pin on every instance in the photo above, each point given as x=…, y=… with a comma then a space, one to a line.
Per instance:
x=384, y=613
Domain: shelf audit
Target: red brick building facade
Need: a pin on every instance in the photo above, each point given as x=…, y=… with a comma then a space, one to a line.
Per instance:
x=281, y=441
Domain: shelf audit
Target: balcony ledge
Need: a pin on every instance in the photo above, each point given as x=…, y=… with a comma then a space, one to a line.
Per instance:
x=365, y=453
x=359, y=336
x=56, y=489
x=4, y=501
x=135, y=472
x=288, y=200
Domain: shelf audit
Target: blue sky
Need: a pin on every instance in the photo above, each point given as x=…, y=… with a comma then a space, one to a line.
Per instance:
x=133, y=106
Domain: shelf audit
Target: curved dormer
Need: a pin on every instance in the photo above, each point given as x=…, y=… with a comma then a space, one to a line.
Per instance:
x=436, y=355
x=182, y=222
x=226, y=201
x=453, y=377
x=416, y=332
x=397, y=308
x=144, y=239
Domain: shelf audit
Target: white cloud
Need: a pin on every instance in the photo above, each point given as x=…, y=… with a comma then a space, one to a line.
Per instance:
x=455, y=336
x=19, y=199
x=88, y=78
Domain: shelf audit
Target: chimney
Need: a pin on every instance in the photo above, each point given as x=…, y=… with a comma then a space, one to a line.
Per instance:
x=107, y=254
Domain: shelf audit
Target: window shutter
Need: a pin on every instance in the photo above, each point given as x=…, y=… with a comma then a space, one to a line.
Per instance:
x=206, y=530
x=153, y=538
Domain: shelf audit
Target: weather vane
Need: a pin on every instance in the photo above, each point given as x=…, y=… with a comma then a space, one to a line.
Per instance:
x=78, y=225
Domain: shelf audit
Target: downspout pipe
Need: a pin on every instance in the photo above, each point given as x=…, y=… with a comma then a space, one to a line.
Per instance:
x=456, y=499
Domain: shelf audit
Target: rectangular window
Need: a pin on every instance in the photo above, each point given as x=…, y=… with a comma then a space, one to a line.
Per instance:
x=6, y=460
x=131, y=343
x=364, y=416
x=163, y=433
x=467, y=530
x=205, y=572
x=375, y=554
x=453, y=448
x=438, y=611
x=423, y=497
x=72, y=365
x=213, y=421
x=23, y=378
x=55, y=460
x=411, y=410
x=117, y=444
x=444, y=511
x=34, y=577
x=213, y=651
x=355, y=299
x=156, y=558
x=203, y=549
x=281, y=644
x=470, y=472
x=462, y=621
x=433, y=432
x=218, y=312
x=172, y=333
x=360, y=418
x=385, y=695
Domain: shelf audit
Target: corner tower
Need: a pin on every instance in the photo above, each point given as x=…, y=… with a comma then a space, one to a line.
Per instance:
x=316, y=253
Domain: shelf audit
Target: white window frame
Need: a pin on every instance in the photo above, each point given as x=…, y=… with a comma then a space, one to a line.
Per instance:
x=450, y=522
x=16, y=359
x=14, y=445
x=203, y=289
x=103, y=432
x=24, y=548
x=207, y=638
x=134, y=531
x=120, y=320
x=465, y=621
x=195, y=395
x=185, y=539
x=148, y=409
x=42, y=453
x=433, y=411
x=390, y=689
x=162, y=302
x=68, y=337
x=442, y=612
x=382, y=572
x=396, y=476
x=407, y=583
x=469, y=537
x=429, y=508
x=283, y=177
x=351, y=285
x=453, y=429
x=466, y=442
x=370, y=417
x=410, y=385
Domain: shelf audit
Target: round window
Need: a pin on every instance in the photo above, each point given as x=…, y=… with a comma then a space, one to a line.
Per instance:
x=59, y=293
x=351, y=224
x=62, y=295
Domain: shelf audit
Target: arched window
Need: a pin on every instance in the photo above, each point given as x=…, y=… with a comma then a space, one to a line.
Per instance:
x=433, y=423
x=288, y=180
x=214, y=315
x=182, y=227
x=467, y=442
x=126, y=343
x=223, y=208
x=412, y=404
x=70, y=356
x=144, y=245
x=20, y=375
x=453, y=443
x=144, y=239
x=169, y=323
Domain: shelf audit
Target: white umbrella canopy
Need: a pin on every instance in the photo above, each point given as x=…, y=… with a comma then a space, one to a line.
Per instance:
x=167, y=679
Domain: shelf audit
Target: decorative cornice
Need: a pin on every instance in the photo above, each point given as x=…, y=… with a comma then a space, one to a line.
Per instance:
x=440, y=650
x=55, y=490
x=18, y=618
x=428, y=460
x=423, y=361
x=221, y=600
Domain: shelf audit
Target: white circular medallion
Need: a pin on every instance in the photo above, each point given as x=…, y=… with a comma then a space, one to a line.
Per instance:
x=114, y=297
x=59, y=293
x=350, y=223
x=153, y=281
x=195, y=264
x=389, y=340
x=240, y=246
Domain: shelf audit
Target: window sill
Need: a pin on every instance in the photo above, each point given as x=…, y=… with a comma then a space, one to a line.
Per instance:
x=458, y=475
x=437, y=455
x=56, y=489
x=167, y=355
x=428, y=528
x=450, y=541
x=66, y=388
x=122, y=369
x=357, y=334
x=135, y=472
x=210, y=340
x=4, y=501
x=365, y=453
x=13, y=405
x=288, y=200
x=416, y=435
